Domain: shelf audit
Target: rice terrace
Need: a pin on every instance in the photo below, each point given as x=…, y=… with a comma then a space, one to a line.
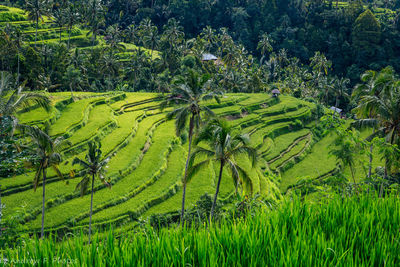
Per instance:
x=199, y=133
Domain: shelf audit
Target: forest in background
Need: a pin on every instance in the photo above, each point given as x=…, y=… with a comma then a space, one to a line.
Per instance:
x=264, y=43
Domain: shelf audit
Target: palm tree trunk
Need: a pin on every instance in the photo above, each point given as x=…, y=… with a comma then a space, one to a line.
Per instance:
x=216, y=192
x=387, y=161
x=386, y=169
x=37, y=25
x=91, y=210
x=1, y=210
x=352, y=173
x=69, y=37
x=18, y=67
x=191, y=126
x=43, y=202
x=371, y=149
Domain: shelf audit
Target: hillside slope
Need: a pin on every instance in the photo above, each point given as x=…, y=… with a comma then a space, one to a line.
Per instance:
x=147, y=159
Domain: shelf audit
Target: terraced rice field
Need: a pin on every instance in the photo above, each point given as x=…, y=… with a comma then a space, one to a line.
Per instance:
x=147, y=159
x=50, y=33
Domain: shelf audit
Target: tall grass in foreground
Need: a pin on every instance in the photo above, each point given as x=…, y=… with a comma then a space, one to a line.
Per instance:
x=358, y=231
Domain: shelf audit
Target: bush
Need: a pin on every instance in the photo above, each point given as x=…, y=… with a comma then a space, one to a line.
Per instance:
x=9, y=17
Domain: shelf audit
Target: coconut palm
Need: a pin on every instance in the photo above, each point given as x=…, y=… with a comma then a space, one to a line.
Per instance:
x=223, y=146
x=209, y=35
x=71, y=17
x=59, y=19
x=73, y=78
x=150, y=34
x=370, y=86
x=174, y=34
x=17, y=42
x=113, y=39
x=94, y=166
x=381, y=106
x=265, y=46
x=110, y=67
x=188, y=95
x=340, y=87
x=95, y=15
x=11, y=100
x=346, y=149
x=46, y=150
x=36, y=10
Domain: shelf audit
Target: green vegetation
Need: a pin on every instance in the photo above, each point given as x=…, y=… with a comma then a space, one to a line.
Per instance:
x=256, y=138
x=344, y=232
x=144, y=167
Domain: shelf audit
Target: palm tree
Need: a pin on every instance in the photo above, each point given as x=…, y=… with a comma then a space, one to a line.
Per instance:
x=17, y=42
x=209, y=35
x=174, y=34
x=370, y=86
x=73, y=77
x=46, y=151
x=95, y=14
x=94, y=166
x=346, y=149
x=110, y=67
x=11, y=100
x=59, y=19
x=150, y=34
x=113, y=39
x=223, y=146
x=379, y=105
x=265, y=46
x=190, y=91
x=320, y=66
x=36, y=10
x=341, y=89
x=71, y=17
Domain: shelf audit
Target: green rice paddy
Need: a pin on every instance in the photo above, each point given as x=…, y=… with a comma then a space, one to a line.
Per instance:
x=147, y=159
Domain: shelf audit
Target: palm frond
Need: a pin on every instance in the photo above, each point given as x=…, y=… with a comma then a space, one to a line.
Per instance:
x=80, y=162
x=180, y=121
x=201, y=151
x=57, y=171
x=83, y=185
x=251, y=153
x=196, y=168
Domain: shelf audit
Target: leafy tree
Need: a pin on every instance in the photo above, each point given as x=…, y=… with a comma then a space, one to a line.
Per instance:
x=188, y=94
x=94, y=166
x=224, y=147
x=366, y=34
